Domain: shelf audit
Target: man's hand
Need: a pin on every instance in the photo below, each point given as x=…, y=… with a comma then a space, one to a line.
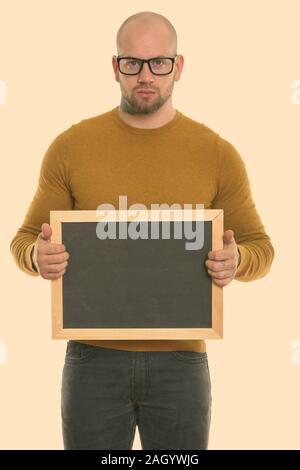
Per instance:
x=49, y=258
x=222, y=264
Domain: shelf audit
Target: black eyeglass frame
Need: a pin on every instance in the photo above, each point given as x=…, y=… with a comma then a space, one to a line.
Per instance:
x=148, y=62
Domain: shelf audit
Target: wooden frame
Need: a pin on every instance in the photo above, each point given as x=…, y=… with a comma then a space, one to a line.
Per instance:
x=57, y=218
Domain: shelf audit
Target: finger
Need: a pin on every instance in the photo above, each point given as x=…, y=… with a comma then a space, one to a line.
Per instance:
x=57, y=258
x=221, y=255
x=53, y=276
x=55, y=268
x=228, y=237
x=51, y=248
x=46, y=232
x=220, y=265
x=222, y=282
x=221, y=274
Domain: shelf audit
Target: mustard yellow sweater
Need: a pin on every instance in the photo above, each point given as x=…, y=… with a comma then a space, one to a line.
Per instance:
x=185, y=162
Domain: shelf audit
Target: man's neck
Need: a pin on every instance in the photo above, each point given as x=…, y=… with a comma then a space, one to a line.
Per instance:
x=148, y=121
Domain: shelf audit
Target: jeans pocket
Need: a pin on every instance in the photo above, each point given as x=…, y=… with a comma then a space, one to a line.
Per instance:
x=191, y=356
x=79, y=353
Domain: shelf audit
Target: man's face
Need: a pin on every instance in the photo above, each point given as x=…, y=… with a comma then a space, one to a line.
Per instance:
x=143, y=42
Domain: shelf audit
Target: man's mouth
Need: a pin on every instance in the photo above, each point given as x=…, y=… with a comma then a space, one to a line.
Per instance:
x=146, y=92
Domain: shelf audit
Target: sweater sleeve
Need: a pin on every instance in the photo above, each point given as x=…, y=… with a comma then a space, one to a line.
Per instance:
x=240, y=214
x=53, y=193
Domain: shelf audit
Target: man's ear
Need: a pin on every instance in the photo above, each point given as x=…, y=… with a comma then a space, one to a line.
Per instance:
x=178, y=67
x=115, y=67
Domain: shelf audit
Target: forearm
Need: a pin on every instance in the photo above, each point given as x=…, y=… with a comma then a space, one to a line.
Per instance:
x=21, y=248
x=256, y=258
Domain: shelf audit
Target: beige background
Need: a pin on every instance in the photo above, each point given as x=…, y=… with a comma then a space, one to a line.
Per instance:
x=241, y=60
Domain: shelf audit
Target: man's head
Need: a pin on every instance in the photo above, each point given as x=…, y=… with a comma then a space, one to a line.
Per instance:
x=146, y=35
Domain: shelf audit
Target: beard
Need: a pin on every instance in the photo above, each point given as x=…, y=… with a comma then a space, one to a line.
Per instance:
x=131, y=105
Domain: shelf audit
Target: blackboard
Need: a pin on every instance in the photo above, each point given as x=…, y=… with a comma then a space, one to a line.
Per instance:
x=142, y=288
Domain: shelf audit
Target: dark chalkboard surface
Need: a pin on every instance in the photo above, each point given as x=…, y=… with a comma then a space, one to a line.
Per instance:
x=132, y=285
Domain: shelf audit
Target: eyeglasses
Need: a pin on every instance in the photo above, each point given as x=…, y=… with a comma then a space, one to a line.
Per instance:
x=157, y=65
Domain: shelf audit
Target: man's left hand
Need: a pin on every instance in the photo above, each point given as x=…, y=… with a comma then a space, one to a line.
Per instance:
x=222, y=264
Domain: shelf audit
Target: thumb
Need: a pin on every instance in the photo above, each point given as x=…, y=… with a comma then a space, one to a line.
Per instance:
x=228, y=237
x=46, y=232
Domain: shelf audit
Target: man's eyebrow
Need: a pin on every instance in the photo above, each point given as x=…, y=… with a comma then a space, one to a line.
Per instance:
x=153, y=57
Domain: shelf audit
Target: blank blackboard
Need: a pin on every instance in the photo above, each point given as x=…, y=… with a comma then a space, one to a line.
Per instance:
x=135, y=288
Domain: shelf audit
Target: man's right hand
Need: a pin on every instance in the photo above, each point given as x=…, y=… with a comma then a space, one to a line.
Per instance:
x=49, y=258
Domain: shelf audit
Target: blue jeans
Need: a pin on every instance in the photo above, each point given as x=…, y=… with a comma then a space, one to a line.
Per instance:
x=106, y=393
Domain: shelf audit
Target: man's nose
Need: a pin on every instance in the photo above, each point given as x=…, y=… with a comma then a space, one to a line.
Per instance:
x=145, y=74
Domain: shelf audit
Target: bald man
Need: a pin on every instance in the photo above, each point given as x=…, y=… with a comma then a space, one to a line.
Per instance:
x=154, y=154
